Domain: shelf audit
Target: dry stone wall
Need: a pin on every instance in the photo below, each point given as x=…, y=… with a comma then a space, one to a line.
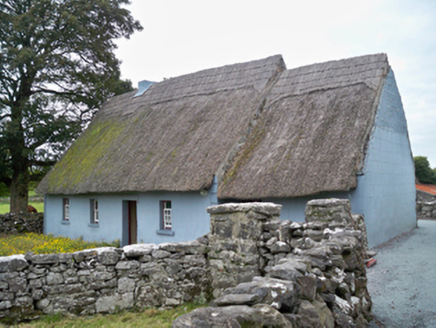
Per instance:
x=256, y=268
x=102, y=280
x=20, y=223
x=309, y=274
x=426, y=210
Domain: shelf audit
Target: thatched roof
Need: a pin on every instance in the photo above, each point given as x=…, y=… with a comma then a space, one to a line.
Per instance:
x=263, y=130
x=312, y=132
x=173, y=137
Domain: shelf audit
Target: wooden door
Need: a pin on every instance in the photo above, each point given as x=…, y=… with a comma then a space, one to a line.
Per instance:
x=133, y=222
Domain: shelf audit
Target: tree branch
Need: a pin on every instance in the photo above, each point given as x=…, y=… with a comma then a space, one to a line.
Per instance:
x=4, y=116
x=42, y=163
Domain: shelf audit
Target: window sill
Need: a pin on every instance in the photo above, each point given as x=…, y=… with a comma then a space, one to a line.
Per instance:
x=65, y=222
x=93, y=225
x=165, y=232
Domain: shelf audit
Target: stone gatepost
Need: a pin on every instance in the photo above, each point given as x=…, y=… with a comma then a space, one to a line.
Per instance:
x=333, y=212
x=236, y=230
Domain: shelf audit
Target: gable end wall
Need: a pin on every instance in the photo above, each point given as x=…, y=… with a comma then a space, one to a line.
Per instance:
x=385, y=192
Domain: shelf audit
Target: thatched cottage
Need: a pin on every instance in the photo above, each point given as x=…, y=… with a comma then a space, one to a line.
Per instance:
x=152, y=160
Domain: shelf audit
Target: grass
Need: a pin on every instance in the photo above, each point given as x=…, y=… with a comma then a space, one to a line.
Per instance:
x=45, y=244
x=150, y=318
x=4, y=207
x=4, y=203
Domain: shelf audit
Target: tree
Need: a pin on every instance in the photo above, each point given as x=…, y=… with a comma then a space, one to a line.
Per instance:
x=423, y=172
x=56, y=67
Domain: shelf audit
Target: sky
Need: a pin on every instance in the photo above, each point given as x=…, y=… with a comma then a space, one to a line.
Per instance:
x=182, y=37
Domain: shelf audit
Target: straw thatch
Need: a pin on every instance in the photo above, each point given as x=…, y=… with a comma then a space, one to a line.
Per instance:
x=312, y=132
x=263, y=130
x=174, y=137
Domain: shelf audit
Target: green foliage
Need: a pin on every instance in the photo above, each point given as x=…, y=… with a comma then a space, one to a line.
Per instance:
x=4, y=190
x=57, y=66
x=423, y=172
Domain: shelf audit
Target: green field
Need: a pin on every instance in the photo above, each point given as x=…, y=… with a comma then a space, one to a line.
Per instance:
x=4, y=203
x=150, y=318
x=4, y=207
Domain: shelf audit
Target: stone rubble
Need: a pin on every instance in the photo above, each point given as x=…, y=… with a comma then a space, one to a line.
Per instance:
x=257, y=270
x=11, y=223
x=309, y=274
x=426, y=209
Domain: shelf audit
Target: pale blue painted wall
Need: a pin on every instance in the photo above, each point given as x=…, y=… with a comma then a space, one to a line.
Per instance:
x=386, y=192
x=293, y=208
x=189, y=217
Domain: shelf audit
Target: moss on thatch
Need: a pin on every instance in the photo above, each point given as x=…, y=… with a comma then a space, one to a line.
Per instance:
x=263, y=130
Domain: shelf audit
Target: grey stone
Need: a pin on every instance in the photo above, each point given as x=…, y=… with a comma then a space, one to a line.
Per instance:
x=126, y=285
x=308, y=286
x=108, y=256
x=316, y=235
x=309, y=316
x=153, y=270
x=173, y=267
x=189, y=247
x=110, y=304
x=279, y=294
x=287, y=270
x=63, y=289
x=160, y=254
x=197, y=260
x=18, y=264
x=138, y=250
x=127, y=265
x=325, y=316
x=280, y=247
x=37, y=294
x=172, y=302
x=35, y=283
x=42, y=304
x=233, y=317
x=54, y=278
x=6, y=296
x=43, y=259
x=85, y=255
x=268, y=209
x=17, y=284
x=237, y=299
x=5, y=305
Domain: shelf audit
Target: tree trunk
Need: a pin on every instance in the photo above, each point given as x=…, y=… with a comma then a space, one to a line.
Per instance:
x=19, y=189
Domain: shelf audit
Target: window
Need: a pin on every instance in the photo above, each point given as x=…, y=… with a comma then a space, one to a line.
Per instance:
x=166, y=215
x=66, y=209
x=94, y=211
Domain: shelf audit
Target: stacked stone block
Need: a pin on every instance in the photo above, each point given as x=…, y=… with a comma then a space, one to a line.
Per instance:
x=426, y=210
x=261, y=271
x=313, y=275
x=21, y=223
x=103, y=280
x=236, y=230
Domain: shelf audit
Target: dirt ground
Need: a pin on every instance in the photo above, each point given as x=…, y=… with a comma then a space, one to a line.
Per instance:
x=403, y=282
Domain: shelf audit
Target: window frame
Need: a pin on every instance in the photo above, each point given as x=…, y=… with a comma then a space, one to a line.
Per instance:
x=94, y=212
x=65, y=209
x=165, y=214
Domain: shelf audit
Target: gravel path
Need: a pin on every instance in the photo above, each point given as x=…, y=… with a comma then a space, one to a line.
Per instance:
x=403, y=282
